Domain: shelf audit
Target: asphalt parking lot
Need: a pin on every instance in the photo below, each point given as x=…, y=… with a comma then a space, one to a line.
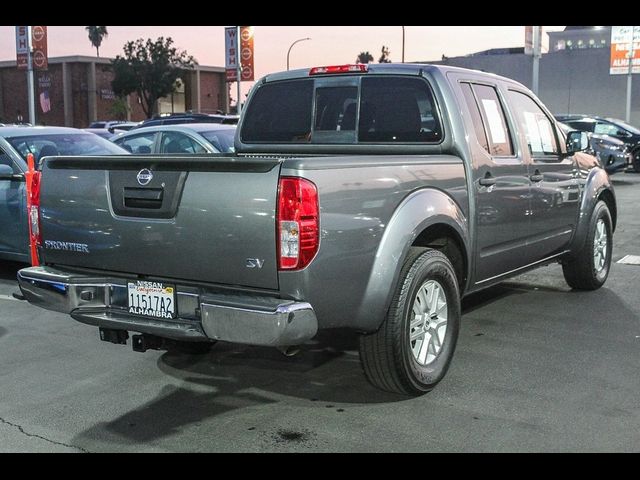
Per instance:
x=537, y=368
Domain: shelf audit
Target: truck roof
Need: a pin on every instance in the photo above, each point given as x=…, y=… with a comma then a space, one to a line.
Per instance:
x=397, y=69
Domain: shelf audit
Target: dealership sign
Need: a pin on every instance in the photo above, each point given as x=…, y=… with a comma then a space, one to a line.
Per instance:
x=244, y=56
x=39, y=44
x=623, y=40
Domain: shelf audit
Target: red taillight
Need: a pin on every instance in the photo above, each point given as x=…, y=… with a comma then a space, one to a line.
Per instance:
x=298, y=229
x=332, y=70
x=33, y=209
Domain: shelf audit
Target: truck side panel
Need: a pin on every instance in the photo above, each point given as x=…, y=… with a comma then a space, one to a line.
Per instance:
x=357, y=205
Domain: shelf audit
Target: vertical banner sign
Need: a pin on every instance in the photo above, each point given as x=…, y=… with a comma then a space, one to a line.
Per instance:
x=40, y=58
x=231, y=62
x=246, y=53
x=530, y=39
x=22, y=47
x=620, y=47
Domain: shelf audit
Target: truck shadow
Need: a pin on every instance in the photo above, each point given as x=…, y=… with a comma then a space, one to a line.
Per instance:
x=326, y=374
x=3, y=332
x=9, y=270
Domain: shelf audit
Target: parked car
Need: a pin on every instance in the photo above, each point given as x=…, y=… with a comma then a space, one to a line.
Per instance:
x=612, y=127
x=105, y=124
x=182, y=118
x=123, y=127
x=15, y=144
x=193, y=138
x=369, y=197
x=611, y=152
x=101, y=132
x=231, y=120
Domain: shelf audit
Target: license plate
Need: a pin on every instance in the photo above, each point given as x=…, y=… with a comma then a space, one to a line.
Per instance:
x=152, y=299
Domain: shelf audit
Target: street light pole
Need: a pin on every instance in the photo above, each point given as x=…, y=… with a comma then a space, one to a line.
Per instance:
x=537, y=52
x=403, y=44
x=289, y=52
x=30, y=79
x=630, y=74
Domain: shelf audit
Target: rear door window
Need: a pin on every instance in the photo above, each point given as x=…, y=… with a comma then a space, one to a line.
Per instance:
x=494, y=120
x=141, y=144
x=179, y=143
x=476, y=118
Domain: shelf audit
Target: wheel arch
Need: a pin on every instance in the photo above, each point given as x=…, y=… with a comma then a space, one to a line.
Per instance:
x=426, y=218
x=608, y=197
x=597, y=187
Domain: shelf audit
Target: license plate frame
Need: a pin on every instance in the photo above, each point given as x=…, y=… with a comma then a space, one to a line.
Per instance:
x=153, y=300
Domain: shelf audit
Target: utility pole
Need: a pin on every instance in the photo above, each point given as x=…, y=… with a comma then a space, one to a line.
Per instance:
x=30, y=79
x=537, y=52
x=403, y=44
x=630, y=74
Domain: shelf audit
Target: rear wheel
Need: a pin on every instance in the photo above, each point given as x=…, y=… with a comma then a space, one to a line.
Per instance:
x=635, y=160
x=589, y=269
x=412, y=350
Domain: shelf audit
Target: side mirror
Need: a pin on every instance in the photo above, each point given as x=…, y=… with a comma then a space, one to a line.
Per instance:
x=622, y=133
x=6, y=173
x=577, y=142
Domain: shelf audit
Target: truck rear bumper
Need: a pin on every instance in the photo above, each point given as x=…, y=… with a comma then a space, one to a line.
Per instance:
x=202, y=315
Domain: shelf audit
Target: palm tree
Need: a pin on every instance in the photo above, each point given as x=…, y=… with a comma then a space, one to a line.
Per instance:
x=384, y=58
x=364, y=57
x=96, y=34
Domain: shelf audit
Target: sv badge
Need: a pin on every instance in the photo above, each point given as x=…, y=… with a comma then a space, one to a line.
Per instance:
x=254, y=263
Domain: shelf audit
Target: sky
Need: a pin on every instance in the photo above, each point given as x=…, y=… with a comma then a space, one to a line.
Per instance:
x=329, y=45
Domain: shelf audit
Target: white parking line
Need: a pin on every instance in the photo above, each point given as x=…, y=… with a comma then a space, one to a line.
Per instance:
x=630, y=260
x=8, y=297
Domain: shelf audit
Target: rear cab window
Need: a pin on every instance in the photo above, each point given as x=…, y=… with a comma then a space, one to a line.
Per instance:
x=376, y=109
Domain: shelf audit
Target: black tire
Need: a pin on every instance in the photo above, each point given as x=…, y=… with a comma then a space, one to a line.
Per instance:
x=190, y=348
x=580, y=271
x=635, y=160
x=386, y=355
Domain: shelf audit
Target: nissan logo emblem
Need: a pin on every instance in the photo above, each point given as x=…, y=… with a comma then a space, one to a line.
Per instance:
x=144, y=176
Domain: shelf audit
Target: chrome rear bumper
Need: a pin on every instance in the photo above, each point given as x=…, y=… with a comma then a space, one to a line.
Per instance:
x=202, y=315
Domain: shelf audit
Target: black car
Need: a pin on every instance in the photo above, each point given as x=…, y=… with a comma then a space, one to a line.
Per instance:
x=180, y=118
x=611, y=152
x=613, y=127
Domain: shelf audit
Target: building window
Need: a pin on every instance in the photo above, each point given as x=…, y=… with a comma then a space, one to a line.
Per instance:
x=175, y=102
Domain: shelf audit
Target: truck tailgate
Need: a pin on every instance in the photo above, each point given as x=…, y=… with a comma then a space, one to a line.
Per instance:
x=202, y=219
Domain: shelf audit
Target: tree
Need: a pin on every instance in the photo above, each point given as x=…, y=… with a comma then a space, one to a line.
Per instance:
x=151, y=69
x=96, y=35
x=384, y=58
x=119, y=109
x=364, y=57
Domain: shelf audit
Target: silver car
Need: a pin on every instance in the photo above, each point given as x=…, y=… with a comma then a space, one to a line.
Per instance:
x=15, y=144
x=192, y=138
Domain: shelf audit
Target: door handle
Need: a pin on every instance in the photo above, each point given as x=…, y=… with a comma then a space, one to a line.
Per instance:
x=488, y=180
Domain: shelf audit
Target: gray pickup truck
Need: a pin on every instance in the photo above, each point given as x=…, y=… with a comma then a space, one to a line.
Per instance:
x=368, y=197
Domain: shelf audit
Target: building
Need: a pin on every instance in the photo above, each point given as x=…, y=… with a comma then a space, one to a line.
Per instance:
x=578, y=38
x=76, y=91
x=574, y=75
